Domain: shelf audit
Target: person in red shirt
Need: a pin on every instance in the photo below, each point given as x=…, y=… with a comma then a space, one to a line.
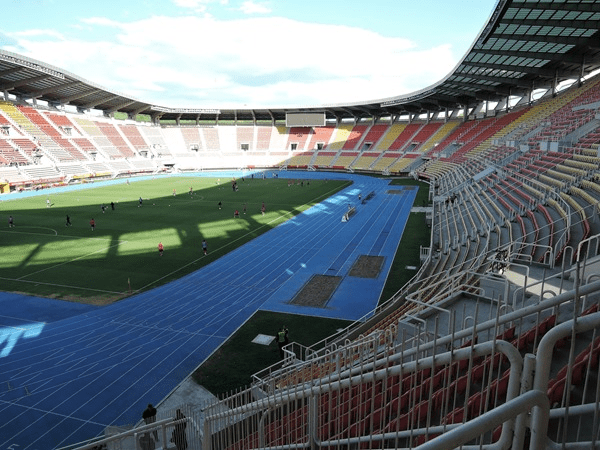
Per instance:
x=93, y=224
x=236, y=214
x=160, y=248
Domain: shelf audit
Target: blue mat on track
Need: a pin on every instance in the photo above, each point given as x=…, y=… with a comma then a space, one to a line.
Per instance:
x=68, y=371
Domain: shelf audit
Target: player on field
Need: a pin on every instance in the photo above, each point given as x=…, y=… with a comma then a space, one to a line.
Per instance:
x=236, y=214
x=11, y=222
x=204, y=247
x=68, y=222
x=160, y=248
x=93, y=224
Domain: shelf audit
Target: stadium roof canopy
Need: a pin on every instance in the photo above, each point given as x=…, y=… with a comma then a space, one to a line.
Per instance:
x=524, y=46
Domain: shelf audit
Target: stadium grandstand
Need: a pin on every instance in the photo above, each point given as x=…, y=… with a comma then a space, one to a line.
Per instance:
x=495, y=341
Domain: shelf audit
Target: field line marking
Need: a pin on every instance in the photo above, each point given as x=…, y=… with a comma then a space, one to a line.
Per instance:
x=325, y=195
x=72, y=260
x=41, y=228
x=58, y=285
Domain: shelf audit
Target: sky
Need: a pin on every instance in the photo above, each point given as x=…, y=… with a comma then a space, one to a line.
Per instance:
x=248, y=53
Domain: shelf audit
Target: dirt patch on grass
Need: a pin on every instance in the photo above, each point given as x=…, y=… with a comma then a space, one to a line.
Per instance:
x=367, y=266
x=93, y=300
x=317, y=291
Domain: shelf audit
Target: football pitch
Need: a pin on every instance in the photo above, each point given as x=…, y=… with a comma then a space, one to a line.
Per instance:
x=41, y=255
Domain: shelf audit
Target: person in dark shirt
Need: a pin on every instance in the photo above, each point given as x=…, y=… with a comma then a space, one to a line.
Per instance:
x=149, y=416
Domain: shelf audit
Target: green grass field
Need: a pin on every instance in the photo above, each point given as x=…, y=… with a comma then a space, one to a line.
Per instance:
x=42, y=256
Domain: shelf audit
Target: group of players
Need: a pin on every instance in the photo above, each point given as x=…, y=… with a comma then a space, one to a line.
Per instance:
x=161, y=247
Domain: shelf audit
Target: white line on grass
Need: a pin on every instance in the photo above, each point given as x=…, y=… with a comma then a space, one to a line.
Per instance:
x=42, y=228
x=325, y=195
x=73, y=260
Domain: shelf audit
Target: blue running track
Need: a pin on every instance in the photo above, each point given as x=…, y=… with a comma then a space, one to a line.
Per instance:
x=68, y=371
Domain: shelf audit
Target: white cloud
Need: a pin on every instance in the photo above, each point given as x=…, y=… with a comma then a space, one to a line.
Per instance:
x=251, y=7
x=38, y=33
x=102, y=21
x=199, y=5
x=201, y=61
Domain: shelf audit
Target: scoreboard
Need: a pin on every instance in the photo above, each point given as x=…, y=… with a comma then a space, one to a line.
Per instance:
x=316, y=119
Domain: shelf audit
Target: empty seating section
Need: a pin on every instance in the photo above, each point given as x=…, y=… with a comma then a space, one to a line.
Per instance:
x=385, y=161
x=245, y=138
x=423, y=135
x=9, y=153
x=279, y=138
x=191, y=137
x=438, y=136
x=60, y=120
x=32, y=122
x=324, y=159
x=157, y=143
x=101, y=142
x=495, y=129
x=25, y=145
x=73, y=169
x=390, y=136
x=344, y=160
x=320, y=137
x=373, y=136
x=355, y=137
x=301, y=160
x=455, y=135
x=263, y=137
x=88, y=127
x=404, y=138
x=98, y=167
x=119, y=165
x=135, y=138
x=4, y=120
x=84, y=144
x=12, y=176
x=113, y=135
x=401, y=164
x=365, y=160
x=174, y=141
x=297, y=138
x=589, y=141
x=42, y=174
x=340, y=136
x=554, y=110
x=143, y=165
